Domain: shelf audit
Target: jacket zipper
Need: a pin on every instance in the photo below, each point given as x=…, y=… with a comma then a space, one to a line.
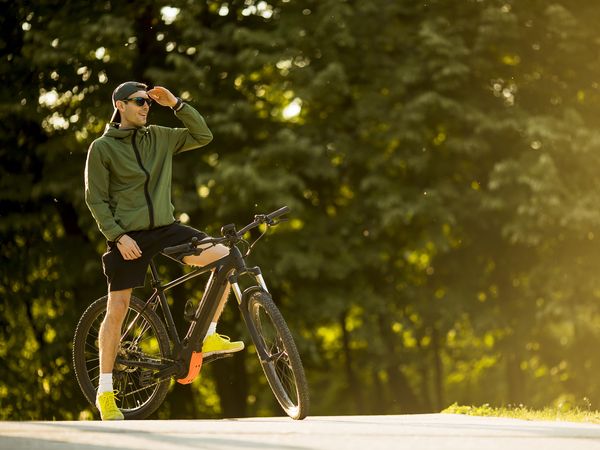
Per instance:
x=146, y=191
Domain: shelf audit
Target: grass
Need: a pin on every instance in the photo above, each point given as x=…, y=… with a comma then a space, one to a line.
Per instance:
x=563, y=412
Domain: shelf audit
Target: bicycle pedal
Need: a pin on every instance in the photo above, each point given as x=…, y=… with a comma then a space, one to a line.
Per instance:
x=189, y=311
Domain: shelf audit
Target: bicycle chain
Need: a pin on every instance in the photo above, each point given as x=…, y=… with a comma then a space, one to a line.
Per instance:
x=162, y=380
x=140, y=355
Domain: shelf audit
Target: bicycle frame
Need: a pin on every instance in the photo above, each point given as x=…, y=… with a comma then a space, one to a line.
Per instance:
x=225, y=270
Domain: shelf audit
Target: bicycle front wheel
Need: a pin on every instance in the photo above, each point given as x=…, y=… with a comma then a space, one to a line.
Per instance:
x=282, y=367
x=144, y=339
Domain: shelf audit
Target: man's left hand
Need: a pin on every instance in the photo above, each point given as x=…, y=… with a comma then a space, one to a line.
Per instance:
x=162, y=96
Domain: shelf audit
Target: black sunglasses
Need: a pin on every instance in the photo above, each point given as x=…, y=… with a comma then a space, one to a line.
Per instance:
x=140, y=101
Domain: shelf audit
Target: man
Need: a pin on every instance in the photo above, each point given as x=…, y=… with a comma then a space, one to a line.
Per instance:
x=128, y=190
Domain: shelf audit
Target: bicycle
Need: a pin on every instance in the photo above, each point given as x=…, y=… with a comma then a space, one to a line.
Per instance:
x=151, y=352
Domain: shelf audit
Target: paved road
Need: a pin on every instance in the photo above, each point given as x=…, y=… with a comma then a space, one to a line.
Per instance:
x=423, y=431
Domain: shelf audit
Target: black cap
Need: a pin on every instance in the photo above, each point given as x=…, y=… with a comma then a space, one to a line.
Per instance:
x=123, y=91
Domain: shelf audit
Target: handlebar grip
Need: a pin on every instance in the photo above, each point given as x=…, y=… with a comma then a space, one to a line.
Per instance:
x=279, y=212
x=177, y=249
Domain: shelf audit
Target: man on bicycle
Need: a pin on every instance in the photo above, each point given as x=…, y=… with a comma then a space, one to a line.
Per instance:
x=128, y=190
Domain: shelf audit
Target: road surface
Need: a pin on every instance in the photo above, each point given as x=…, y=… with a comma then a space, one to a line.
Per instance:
x=420, y=431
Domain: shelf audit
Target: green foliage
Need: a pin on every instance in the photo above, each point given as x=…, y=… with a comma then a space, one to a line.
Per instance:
x=440, y=160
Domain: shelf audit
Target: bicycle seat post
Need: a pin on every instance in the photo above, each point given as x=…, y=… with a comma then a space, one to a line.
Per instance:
x=156, y=282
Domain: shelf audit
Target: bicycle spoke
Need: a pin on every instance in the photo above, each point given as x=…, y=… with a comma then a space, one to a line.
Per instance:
x=143, y=328
x=145, y=323
x=287, y=379
x=97, y=377
x=93, y=347
x=129, y=324
x=140, y=333
x=146, y=387
x=96, y=328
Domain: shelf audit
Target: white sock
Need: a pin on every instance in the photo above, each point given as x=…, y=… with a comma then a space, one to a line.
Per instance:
x=212, y=329
x=106, y=383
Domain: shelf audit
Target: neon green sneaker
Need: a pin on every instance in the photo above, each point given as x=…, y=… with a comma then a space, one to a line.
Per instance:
x=217, y=343
x=107, y=406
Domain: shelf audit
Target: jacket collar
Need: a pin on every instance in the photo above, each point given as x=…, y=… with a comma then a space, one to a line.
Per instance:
x=112, y=130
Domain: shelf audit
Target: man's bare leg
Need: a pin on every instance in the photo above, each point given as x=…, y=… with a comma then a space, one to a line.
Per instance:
x=108, y=343
x=110, y=330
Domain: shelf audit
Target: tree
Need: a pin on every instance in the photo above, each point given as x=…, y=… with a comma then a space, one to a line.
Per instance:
x=439, y=160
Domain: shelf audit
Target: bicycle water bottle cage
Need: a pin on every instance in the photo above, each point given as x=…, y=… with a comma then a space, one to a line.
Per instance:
x=228, y=230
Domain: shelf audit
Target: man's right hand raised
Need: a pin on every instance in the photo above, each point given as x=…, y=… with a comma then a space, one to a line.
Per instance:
x=128, y=248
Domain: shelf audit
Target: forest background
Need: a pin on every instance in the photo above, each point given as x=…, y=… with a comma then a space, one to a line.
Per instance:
x=440, y=159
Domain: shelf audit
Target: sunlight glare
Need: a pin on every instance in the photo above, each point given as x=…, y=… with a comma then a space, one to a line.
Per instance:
x=293, y=109
x=48, y=98
x=169, y=14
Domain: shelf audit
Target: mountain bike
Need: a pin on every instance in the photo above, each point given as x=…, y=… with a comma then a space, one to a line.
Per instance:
x=151, y=352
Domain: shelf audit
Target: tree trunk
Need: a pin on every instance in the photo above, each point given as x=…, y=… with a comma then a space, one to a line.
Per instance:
x=232, y=385
x=438, y=378
x=354, y=389
x=514, y=379
x=402, y=397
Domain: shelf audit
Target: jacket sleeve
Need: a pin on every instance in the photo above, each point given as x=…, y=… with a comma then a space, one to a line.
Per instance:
x=195, y=134
x=97, y=196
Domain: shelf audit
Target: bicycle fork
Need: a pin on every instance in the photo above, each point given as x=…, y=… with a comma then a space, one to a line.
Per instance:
x=242, y=299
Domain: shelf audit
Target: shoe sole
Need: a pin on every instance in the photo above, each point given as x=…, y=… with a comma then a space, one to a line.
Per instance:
x=113, y=418
x=122, y=417
x=221, y=352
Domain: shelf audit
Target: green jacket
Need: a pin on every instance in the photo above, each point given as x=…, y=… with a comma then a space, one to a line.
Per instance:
x=127, y=183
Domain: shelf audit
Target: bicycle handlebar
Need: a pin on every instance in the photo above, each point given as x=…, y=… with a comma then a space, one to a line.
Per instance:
x=191, y=247
x=184, y=248
x=263, y=218
x=177, y=249
x=280, y=212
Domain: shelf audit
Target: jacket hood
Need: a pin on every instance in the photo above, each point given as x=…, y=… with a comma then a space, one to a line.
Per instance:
x=118, y=133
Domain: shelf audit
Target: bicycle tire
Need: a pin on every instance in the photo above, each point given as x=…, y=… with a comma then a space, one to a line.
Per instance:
x=126, y=380
x=284, y=372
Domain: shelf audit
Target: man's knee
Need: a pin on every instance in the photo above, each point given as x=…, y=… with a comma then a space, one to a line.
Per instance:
x=209, y=255
x=217, y=252
x=118, y=302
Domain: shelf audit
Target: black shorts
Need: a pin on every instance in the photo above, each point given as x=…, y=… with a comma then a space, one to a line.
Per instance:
x=125, y=274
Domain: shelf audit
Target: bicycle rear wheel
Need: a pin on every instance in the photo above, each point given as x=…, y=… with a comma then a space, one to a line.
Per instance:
x=144, y=338
x=282, y=367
